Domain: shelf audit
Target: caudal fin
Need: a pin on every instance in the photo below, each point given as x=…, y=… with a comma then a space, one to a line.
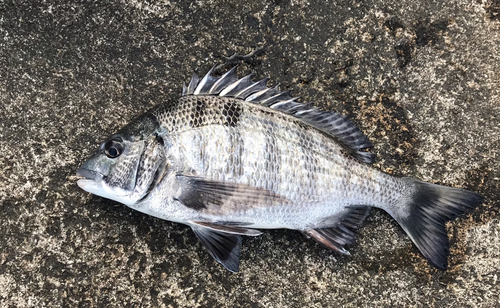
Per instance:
x=428, y=210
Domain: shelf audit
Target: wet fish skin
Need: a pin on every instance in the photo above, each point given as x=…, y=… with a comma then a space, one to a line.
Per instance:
x=231, y=156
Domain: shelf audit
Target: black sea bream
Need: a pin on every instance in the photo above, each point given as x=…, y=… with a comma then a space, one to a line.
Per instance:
x=231, y=156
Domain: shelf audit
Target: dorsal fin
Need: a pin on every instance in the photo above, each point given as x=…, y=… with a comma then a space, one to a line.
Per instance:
x=332, y=123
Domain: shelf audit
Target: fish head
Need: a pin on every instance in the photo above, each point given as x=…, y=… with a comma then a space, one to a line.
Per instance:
x=125, y=164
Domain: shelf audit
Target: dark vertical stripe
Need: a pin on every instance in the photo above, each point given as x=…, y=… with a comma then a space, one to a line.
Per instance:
x=198, y=112
x=231, y=112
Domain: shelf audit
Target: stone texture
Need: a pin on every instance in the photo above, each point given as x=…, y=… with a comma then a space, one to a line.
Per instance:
x=422, y=79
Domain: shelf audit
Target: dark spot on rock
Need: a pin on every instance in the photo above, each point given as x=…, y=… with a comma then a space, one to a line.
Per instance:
x=252, y=22
x=77, y=220
x=340, y=72
x=343, y=65
x=393, y=24
x=57, y=177
x=38, y=149
x=157, y=243
x=446, y=146
x=104, y=302
x=403, y=53
x=493, y=10
x=126, y=237
x=154, y=62
x=430, y=34
x=341, y=31
x=343, y=83
x=279, y=2
x=136, y=53
x=10, y=208
x=170, y=301
x=440, y=25
x=138, y=284
x=154, y=294
x=312, y=92
x=164, y=267
x=422, y=36
x=307, y=76
x=190, y=38
x=156, y=29
x=48, y=286
x=41, y=196
x=54, y=226
x=54, y=268
x=304, y=80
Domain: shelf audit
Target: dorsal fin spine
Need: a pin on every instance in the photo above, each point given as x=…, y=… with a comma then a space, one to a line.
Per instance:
x=234, y=89
x=279, y=104
x=193, y=83
x=205, y=83
x=256, y=95
x=252, y=88
x=228, y=78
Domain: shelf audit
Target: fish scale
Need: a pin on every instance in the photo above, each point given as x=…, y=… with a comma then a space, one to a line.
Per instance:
x=231, y=156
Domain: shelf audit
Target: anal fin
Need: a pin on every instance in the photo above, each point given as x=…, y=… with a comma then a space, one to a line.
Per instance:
x=343, y=232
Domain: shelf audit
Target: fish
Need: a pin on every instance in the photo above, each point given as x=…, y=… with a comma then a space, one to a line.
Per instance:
x=231, y=157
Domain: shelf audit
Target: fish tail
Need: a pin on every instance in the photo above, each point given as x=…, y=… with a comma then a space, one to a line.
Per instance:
x=424, y=215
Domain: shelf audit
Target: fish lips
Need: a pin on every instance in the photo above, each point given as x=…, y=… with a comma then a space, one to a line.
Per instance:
x=90, y=180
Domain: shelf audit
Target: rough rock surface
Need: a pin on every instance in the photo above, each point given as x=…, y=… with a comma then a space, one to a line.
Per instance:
x=421, y=78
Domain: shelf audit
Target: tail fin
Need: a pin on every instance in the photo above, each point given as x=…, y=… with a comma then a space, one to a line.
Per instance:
x=428, y=210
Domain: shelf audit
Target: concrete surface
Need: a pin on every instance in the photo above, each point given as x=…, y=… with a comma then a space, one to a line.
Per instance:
x=422, y=79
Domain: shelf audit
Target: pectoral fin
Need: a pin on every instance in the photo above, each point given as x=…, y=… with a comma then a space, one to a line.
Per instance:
x=223, y=197
x=224, y=247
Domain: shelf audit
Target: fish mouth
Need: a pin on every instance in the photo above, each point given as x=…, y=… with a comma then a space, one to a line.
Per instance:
x=86, y=174
x=88, y=178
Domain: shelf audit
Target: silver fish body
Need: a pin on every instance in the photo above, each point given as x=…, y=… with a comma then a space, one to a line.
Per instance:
x=232, y=156
x=270, y=150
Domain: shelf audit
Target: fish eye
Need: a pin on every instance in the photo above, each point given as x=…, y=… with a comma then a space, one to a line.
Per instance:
x=113, y=148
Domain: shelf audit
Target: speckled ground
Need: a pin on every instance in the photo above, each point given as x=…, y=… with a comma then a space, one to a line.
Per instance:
x=422, y=79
